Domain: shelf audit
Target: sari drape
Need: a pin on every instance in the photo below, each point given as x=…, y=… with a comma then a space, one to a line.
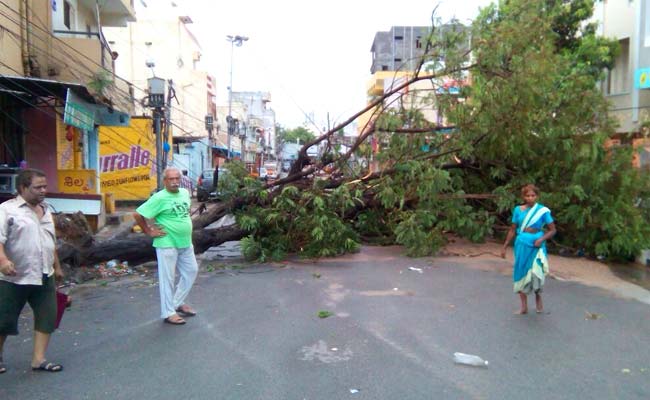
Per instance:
x=530, y=262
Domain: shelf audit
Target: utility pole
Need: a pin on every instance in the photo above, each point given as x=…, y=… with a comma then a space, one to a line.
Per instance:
x=171, y=94
x=209, y=125
x=242, y=139
x=234, y=41
x=156, y=88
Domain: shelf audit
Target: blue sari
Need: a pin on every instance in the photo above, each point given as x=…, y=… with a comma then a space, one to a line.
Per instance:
x=531, y=263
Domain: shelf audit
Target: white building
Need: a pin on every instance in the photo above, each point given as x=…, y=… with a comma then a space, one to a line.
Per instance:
x=161, y=43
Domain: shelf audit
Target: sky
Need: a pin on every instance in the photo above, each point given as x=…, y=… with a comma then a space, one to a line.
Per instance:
x=312, y=56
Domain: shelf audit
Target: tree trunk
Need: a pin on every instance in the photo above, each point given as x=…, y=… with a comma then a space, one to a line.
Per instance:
x=137, y=248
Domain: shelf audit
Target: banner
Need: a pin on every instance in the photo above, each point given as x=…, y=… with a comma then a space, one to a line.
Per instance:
x=127, y=160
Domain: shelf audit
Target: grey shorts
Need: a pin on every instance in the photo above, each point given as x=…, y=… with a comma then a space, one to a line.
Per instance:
x=42, y=300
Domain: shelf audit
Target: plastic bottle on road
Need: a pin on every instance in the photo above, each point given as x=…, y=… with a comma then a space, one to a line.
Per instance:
x=470, y=359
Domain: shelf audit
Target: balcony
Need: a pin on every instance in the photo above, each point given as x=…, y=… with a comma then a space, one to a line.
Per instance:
x=115, y=13
x=91, y=55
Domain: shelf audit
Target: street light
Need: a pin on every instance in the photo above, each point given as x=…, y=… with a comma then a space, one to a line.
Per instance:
x=234, y=41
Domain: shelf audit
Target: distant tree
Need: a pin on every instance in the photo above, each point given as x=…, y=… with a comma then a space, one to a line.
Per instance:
x=304, y=135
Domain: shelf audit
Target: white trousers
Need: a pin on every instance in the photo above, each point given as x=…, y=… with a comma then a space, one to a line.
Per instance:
x=169, y=259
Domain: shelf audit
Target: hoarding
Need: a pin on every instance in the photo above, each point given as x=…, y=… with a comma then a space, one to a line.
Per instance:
x=127, y=160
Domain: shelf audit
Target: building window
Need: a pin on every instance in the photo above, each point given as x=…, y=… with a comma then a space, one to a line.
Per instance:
x=617, y=81
x=398, y=37
x=418, y=43
x=67, y=14
x=384, y=67
x=398, y=60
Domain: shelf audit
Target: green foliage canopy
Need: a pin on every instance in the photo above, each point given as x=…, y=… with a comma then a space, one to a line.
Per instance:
x=530, y=113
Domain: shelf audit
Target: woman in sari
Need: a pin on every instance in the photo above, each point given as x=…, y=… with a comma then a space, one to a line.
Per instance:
x=533, y=225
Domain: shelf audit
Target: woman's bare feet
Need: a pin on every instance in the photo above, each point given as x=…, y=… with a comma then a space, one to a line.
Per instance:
x=524, y=304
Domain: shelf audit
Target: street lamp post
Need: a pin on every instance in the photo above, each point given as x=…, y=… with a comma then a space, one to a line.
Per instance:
x=234, y=41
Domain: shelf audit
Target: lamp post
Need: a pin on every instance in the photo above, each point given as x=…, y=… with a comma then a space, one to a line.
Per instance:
x=234, y=41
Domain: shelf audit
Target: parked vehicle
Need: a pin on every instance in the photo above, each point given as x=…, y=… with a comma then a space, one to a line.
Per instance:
x=205, y=189
x=271, y=170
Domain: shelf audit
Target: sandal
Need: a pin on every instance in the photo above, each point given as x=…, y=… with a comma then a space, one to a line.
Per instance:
x=48, y=367
x=185, y=311
x=179, y=321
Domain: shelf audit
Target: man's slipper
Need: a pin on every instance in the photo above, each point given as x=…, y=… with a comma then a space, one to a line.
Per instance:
x=186, y=312
x=179, y=321
x=48, y=367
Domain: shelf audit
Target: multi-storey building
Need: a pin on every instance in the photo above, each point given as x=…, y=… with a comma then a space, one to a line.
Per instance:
x=627, y=84
x=162, y=44
x=58, y=85
x=254, y=127
x=396, y=54
x=399, y=49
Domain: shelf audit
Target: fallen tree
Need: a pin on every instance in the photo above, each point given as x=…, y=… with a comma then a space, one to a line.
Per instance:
x=524, y=108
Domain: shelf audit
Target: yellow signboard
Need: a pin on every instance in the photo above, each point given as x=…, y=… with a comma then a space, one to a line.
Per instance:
x=77, y=181
x=127, y=160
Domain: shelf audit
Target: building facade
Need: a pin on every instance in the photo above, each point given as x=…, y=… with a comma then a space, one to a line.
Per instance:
x=399, y=49
x=161, y=44
x=58, y=84
x=627, y=85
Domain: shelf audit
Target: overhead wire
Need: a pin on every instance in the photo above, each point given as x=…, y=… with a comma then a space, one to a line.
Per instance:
x=76, y=69
x=54, y=95
x=56, y=114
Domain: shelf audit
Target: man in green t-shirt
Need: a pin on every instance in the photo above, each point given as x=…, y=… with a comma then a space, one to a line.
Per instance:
x=172, y=238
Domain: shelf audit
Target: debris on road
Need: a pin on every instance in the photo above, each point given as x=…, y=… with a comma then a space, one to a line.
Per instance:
x=325, y=314
x=469, y=359
x=354, y=391
x=590, y=315
x=416, y=269
x=316, y=275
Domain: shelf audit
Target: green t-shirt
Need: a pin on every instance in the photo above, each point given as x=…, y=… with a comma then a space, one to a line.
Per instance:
x=172, y=212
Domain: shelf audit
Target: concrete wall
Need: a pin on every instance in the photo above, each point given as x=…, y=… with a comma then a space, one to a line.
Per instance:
x=10, y=53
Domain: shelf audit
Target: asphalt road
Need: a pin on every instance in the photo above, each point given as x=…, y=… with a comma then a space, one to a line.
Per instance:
x=392, y=336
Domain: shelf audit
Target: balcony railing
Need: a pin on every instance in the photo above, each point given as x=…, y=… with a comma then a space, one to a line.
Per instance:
x=105, y=53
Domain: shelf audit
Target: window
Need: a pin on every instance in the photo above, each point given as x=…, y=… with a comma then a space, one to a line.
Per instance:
x=384, y=67
x=618, y=78
x=398, y=60
x=67, y=11
x=418, y=43
x=399, y=37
